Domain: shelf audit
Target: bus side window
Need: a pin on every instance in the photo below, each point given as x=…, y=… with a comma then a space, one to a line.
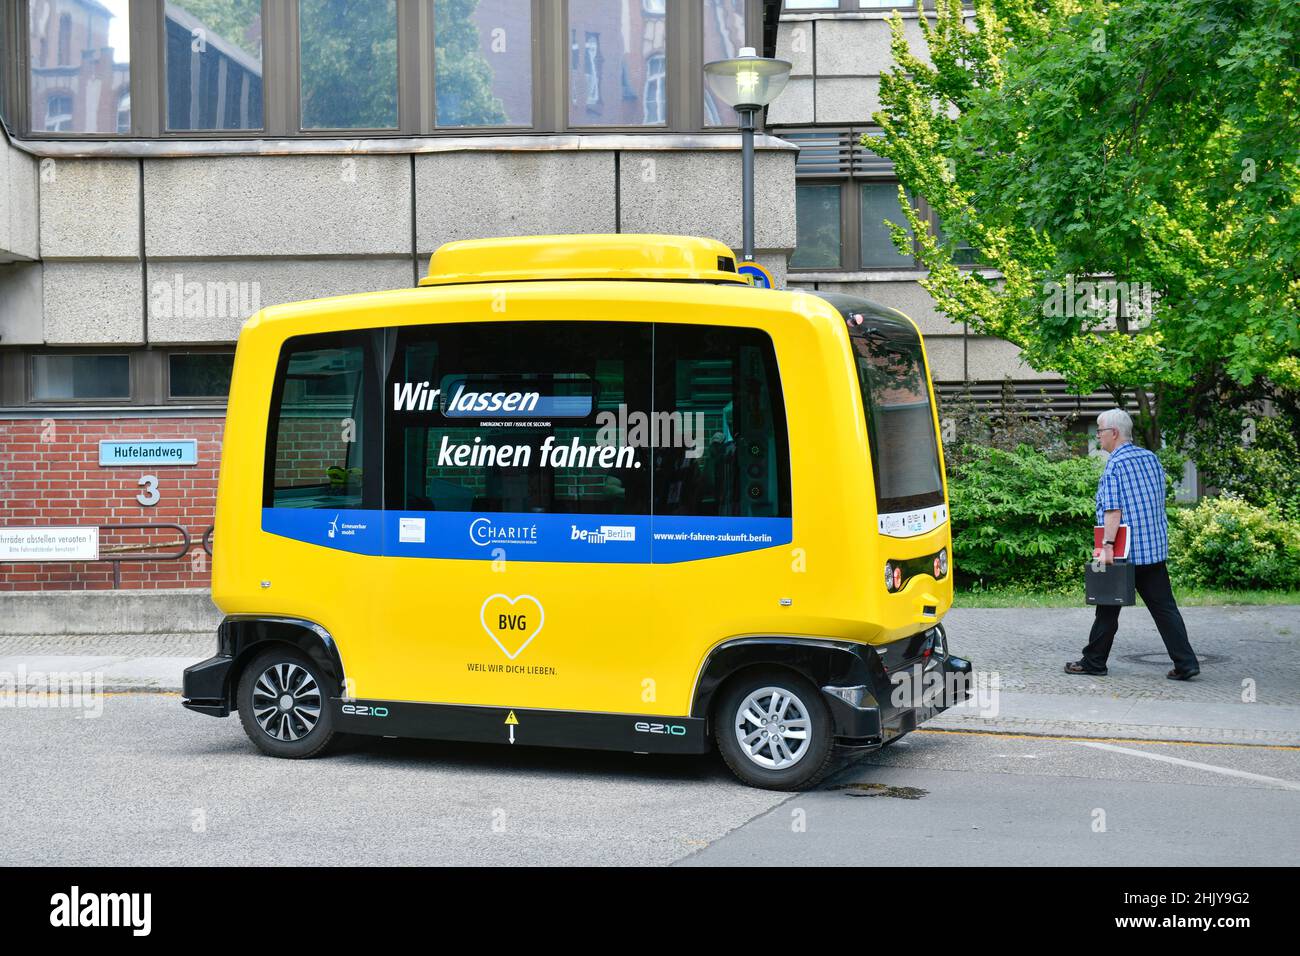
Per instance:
x=510, y=418
x=322, y=415
x=722, y=437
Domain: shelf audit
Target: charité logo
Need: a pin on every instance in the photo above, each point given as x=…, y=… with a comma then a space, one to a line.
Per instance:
x=485, y=531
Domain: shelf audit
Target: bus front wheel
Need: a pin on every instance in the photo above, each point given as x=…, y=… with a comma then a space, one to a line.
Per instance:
x=283, y=704
x=773, y=730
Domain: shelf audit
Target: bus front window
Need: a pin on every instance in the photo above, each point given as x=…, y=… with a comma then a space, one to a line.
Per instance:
x=900, y=423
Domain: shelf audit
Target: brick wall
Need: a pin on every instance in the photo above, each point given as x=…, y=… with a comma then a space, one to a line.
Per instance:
x=50, y=476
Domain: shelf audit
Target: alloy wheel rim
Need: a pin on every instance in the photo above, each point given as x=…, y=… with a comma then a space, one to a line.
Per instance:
x=286, y=702
x=773, y=728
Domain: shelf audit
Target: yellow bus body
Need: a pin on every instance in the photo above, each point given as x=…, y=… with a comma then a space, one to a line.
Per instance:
x=605, y=638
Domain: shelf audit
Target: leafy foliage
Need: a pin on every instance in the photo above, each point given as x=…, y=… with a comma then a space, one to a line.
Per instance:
x=1263, y=469
x=232, y=20
x=1021, y=519
x=1152, y=141
x=349, y=64
x=464, y=79
x=1230, y=544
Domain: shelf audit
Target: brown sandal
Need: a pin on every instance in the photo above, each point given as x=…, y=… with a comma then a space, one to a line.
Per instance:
x=1078, y=667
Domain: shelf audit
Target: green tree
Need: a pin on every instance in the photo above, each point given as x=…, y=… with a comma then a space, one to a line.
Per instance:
x=1150, y=142
x=464, y=79
x=349, y=64
x=231, y=20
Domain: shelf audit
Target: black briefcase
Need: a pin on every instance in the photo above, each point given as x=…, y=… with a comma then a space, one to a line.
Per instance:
x=1111, y=585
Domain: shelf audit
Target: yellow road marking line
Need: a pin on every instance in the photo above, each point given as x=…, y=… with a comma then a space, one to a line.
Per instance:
x=1113, y=740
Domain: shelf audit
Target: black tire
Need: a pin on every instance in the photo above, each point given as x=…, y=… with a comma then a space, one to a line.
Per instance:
x=289, y=735
x=810, y=763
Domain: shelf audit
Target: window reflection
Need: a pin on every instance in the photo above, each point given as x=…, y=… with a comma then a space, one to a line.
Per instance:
x=348, y=64
x=880, y=203
x=214, y=64
x=58, y=377
x=483, y=64
x=724, y=35
x=80, y=66
x=817, y=212
x=617, y=63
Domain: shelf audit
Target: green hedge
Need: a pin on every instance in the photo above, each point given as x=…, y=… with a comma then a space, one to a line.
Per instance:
x=1020, y=519
x=1228, y=544
x=1023, y=520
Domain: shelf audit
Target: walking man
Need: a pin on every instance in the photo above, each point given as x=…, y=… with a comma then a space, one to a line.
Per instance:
x=1132, y=492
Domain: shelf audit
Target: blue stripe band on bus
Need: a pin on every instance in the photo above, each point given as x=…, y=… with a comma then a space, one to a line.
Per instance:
x=591, y=539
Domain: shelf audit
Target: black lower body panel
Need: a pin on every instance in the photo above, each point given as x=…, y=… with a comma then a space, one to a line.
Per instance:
x=503, y=725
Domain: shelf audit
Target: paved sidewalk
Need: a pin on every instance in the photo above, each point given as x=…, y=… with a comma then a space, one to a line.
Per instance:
x=1248, y=690
x=1245, y=652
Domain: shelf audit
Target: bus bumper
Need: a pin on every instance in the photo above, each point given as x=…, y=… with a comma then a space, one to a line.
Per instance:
x=204, y=688
x=872, y=715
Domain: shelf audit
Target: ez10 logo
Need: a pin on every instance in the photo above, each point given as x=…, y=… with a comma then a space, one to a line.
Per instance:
x=365, y=710
x=673, y=730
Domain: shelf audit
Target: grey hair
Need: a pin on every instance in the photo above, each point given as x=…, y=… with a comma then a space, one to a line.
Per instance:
x=1117, y=419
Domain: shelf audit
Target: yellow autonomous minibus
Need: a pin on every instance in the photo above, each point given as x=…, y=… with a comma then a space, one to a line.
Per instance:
x=583, y=491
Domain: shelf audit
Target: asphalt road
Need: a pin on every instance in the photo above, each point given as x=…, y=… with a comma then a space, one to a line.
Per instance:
x=149, y=783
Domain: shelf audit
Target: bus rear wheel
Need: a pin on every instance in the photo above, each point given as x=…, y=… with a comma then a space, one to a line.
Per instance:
x=284, y=706
x=773, y=730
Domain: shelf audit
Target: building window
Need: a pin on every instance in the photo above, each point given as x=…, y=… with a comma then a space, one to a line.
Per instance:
x=327, y=67
x=213, y=65
x=483, y=63
x=199, y=374
x=876, y=246
x=654, y=91
x=817, y=212
x=124, y=111
x=838, y=180
x=623, y=49
x=58, y=113
x=591, y=66
x=65, y=40
x=78, y=93
x=348, y=64
x=96, y=377
x=724, y=35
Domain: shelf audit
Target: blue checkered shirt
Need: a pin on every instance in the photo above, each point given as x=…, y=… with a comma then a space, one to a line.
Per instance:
x=1134, y=482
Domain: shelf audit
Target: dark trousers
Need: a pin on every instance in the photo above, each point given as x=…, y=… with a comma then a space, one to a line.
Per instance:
x=1153, y=584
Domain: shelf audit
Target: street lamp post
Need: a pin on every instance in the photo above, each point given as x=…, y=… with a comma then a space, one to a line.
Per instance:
x=747, y=83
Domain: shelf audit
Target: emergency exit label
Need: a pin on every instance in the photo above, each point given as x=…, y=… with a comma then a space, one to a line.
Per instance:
x=183, y=451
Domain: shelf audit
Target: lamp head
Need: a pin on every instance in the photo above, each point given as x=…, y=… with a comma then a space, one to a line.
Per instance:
x=747, y=81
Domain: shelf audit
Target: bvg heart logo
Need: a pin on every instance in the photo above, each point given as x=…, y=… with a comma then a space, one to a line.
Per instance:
x=507, y=619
